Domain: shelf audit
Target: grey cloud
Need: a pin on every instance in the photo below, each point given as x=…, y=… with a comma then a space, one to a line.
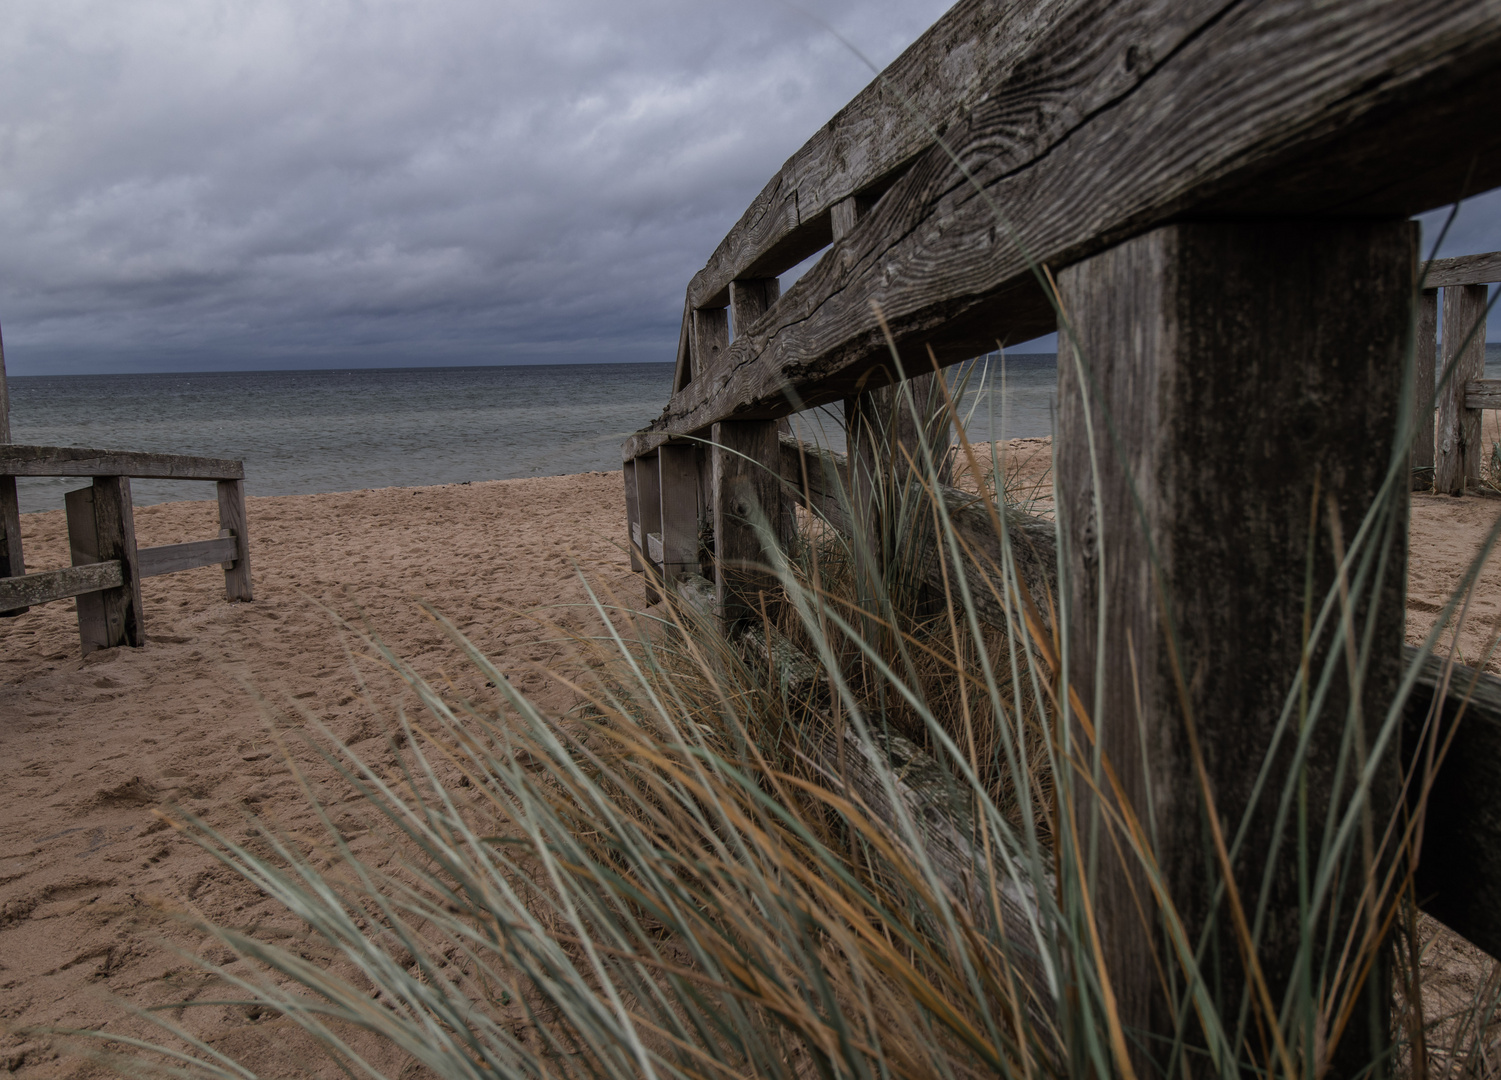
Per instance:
x=293, y=182
x=277, y=183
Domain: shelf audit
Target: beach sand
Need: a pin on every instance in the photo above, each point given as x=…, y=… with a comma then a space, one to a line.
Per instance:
x=92, y=884
x=89, y=879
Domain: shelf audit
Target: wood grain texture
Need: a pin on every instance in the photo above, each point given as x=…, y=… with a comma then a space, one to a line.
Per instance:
x=975, y=46
x=682, y=372
x=632, y=514
x=711, y=337
x=47, y=585
x=1238, y=369
x=1463, y=270
x=12, y=557
x=747, y=458
x=4, y=399
x=649, y=507
x=1425, y=361
x=1459, y=871
x=114, y=526
x=1483, y=394
x=17, y=460
x=1161, y=111
x=231, y=495
x=750, y=299
x=845, y=214
x=170, y=558
x=83, y=548
x=678, y=472
x=1458, y=451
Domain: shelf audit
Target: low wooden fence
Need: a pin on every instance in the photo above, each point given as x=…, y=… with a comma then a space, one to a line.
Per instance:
x=1448, y=450
x=107, y=566
x=1219, y=197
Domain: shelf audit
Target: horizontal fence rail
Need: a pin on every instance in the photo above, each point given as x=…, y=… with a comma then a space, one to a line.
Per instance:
x=1310, y=111
x=1483, y=394
x=18, y=460
x=45, y=586
x=170, y=558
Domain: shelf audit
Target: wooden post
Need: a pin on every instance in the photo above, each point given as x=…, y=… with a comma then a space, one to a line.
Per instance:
x=879, y=423
x=1242, y=374
x=1425, y=360
x=232, y=523
x=83, y=544
x=101, y=526
x=678, y=473
x=1459, y=445
x=634, y=540
x=747, y=458
x=711, y=337
x=750, y=298
x=12, y=560
x=649, y=506
x=682, y=372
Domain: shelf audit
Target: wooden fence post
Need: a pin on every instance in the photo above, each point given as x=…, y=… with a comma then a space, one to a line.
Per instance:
x=1242, y=374
x=678, y=471
x=747, y=460
x=12, y=561
x=634, y=540
x=750, y=298
x=711, y=337
x=1459, y=450
x=1425, y=358
x=83, y=544
x=101, y=527
x=649, y=507
x=232, y=523
x=879, y=422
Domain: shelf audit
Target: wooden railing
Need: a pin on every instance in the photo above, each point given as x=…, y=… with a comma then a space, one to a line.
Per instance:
x=1448, y=450
x=107, y=566
x=1218, y=197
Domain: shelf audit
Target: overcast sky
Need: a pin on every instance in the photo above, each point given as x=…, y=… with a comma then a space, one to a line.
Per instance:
x=233, y=184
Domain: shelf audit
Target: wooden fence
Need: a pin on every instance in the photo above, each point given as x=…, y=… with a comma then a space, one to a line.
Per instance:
x=1221, y=193
x=1448, y=451
x=107, y=566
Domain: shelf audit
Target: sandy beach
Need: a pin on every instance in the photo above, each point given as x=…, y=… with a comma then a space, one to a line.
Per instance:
x=91, y=883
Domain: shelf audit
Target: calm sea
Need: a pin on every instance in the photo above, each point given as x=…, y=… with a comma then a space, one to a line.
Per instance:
x=310, y=431
x=307, y=431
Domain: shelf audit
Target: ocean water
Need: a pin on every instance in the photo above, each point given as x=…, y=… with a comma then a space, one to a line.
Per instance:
x=311, y=431
x=996, y=400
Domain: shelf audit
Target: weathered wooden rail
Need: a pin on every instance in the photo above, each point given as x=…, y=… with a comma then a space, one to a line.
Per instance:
x=1221, y=192
x=107, y=569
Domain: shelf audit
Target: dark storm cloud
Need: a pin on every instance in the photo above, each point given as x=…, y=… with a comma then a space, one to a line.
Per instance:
x=288, y=183
x=282, y=183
